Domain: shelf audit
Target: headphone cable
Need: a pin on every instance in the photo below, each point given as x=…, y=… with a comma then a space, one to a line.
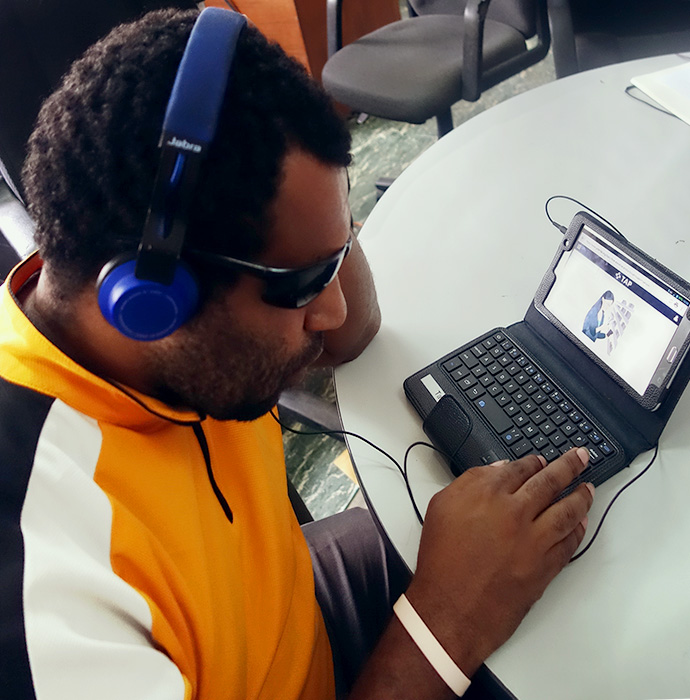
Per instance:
x=404, y=472
x=564, y=229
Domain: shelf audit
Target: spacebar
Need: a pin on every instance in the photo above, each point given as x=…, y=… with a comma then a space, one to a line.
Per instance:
x=494, y=414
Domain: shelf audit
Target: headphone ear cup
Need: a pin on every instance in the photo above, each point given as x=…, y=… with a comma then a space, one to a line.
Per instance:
x=144, y=309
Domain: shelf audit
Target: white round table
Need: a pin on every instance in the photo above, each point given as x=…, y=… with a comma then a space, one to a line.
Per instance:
x=458, y=245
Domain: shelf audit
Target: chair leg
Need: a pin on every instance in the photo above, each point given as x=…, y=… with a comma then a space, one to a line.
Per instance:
x=382, y=184
x=444, y=122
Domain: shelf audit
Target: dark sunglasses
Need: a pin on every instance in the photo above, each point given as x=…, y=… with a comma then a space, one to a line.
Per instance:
x=288, y=288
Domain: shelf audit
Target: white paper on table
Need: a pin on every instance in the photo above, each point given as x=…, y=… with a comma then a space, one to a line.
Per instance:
x=670, y=88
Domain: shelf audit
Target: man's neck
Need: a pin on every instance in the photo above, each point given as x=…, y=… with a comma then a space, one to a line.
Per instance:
x=79, y=330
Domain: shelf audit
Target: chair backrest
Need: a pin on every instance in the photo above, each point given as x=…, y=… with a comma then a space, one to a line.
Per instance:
x=521, y=14
x=40, y=39
x=591, y=33
x=629, y=17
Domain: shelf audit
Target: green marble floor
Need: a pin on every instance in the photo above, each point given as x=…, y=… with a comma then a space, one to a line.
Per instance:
x=380, y=148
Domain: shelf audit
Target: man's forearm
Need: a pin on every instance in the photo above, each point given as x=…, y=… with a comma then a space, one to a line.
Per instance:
x=491, y=542
x=363, y=314
x=397, y=670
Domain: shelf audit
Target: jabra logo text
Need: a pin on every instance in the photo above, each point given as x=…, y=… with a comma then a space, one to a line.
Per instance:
x=184, y=145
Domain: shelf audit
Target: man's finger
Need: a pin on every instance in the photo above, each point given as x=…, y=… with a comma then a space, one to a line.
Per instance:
x=561, y=553
x=564, y=516
x=513, y=475
x=541, y=489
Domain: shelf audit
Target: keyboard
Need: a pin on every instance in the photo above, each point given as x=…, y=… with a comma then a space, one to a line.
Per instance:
x=522, y=403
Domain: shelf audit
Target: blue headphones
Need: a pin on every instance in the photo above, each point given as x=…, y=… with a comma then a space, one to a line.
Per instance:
x=150, y=294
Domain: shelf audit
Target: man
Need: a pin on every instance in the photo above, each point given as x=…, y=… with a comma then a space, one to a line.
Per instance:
x=148, y=546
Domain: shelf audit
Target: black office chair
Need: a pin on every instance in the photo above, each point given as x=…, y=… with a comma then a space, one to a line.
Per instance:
x=591, y=33
x=39, y=41
x=447, y=50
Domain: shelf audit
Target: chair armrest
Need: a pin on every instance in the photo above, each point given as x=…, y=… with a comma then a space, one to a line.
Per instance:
x=562, y=38
x=334, y=26
x=474, y=18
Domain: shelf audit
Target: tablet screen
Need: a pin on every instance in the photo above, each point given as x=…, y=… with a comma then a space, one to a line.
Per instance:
x=617, y=309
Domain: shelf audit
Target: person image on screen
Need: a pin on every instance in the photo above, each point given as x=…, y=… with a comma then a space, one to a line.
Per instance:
x=596, y=321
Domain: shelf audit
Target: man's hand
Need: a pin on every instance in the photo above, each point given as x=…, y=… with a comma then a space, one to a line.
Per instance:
x=492, y=541
x=363, y=315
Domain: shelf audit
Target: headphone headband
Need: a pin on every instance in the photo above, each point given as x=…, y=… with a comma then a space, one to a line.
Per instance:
x=150, y=296
x=189, y=126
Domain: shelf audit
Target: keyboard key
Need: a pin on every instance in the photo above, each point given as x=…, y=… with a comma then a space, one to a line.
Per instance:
x=522, y=448
x=529, y=406
x=499, y=337
x=550, y=453
x=511, y=409
x=478, y=351
x=493, y=414
x=467, y=382
x=568, y=429
x=540, y=441
x=511, y=387
x=478, y=371
x=585, y=427
x=453, y=363
x=528, y=429
x=489, y=343
x=558, y=438
x=512, y=436
x=540, y=397
x=495, y=389
x=605, y=449
x=475, y=392
x=538, y=416
x=486, y=380
x=558, y=418
x=469, y=359
x=595, y=455
x=503, y=399
x=579, y=440
x=547, y=428
x=459, y=373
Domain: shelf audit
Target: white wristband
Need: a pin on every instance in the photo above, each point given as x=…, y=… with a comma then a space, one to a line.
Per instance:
x=435, y=654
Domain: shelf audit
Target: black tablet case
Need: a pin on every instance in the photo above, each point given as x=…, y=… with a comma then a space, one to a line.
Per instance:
x=462, y=434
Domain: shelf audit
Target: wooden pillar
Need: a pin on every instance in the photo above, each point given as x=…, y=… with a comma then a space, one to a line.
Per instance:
x=299, y=26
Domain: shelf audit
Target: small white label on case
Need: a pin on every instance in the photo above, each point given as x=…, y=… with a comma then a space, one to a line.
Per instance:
x=432, y=387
